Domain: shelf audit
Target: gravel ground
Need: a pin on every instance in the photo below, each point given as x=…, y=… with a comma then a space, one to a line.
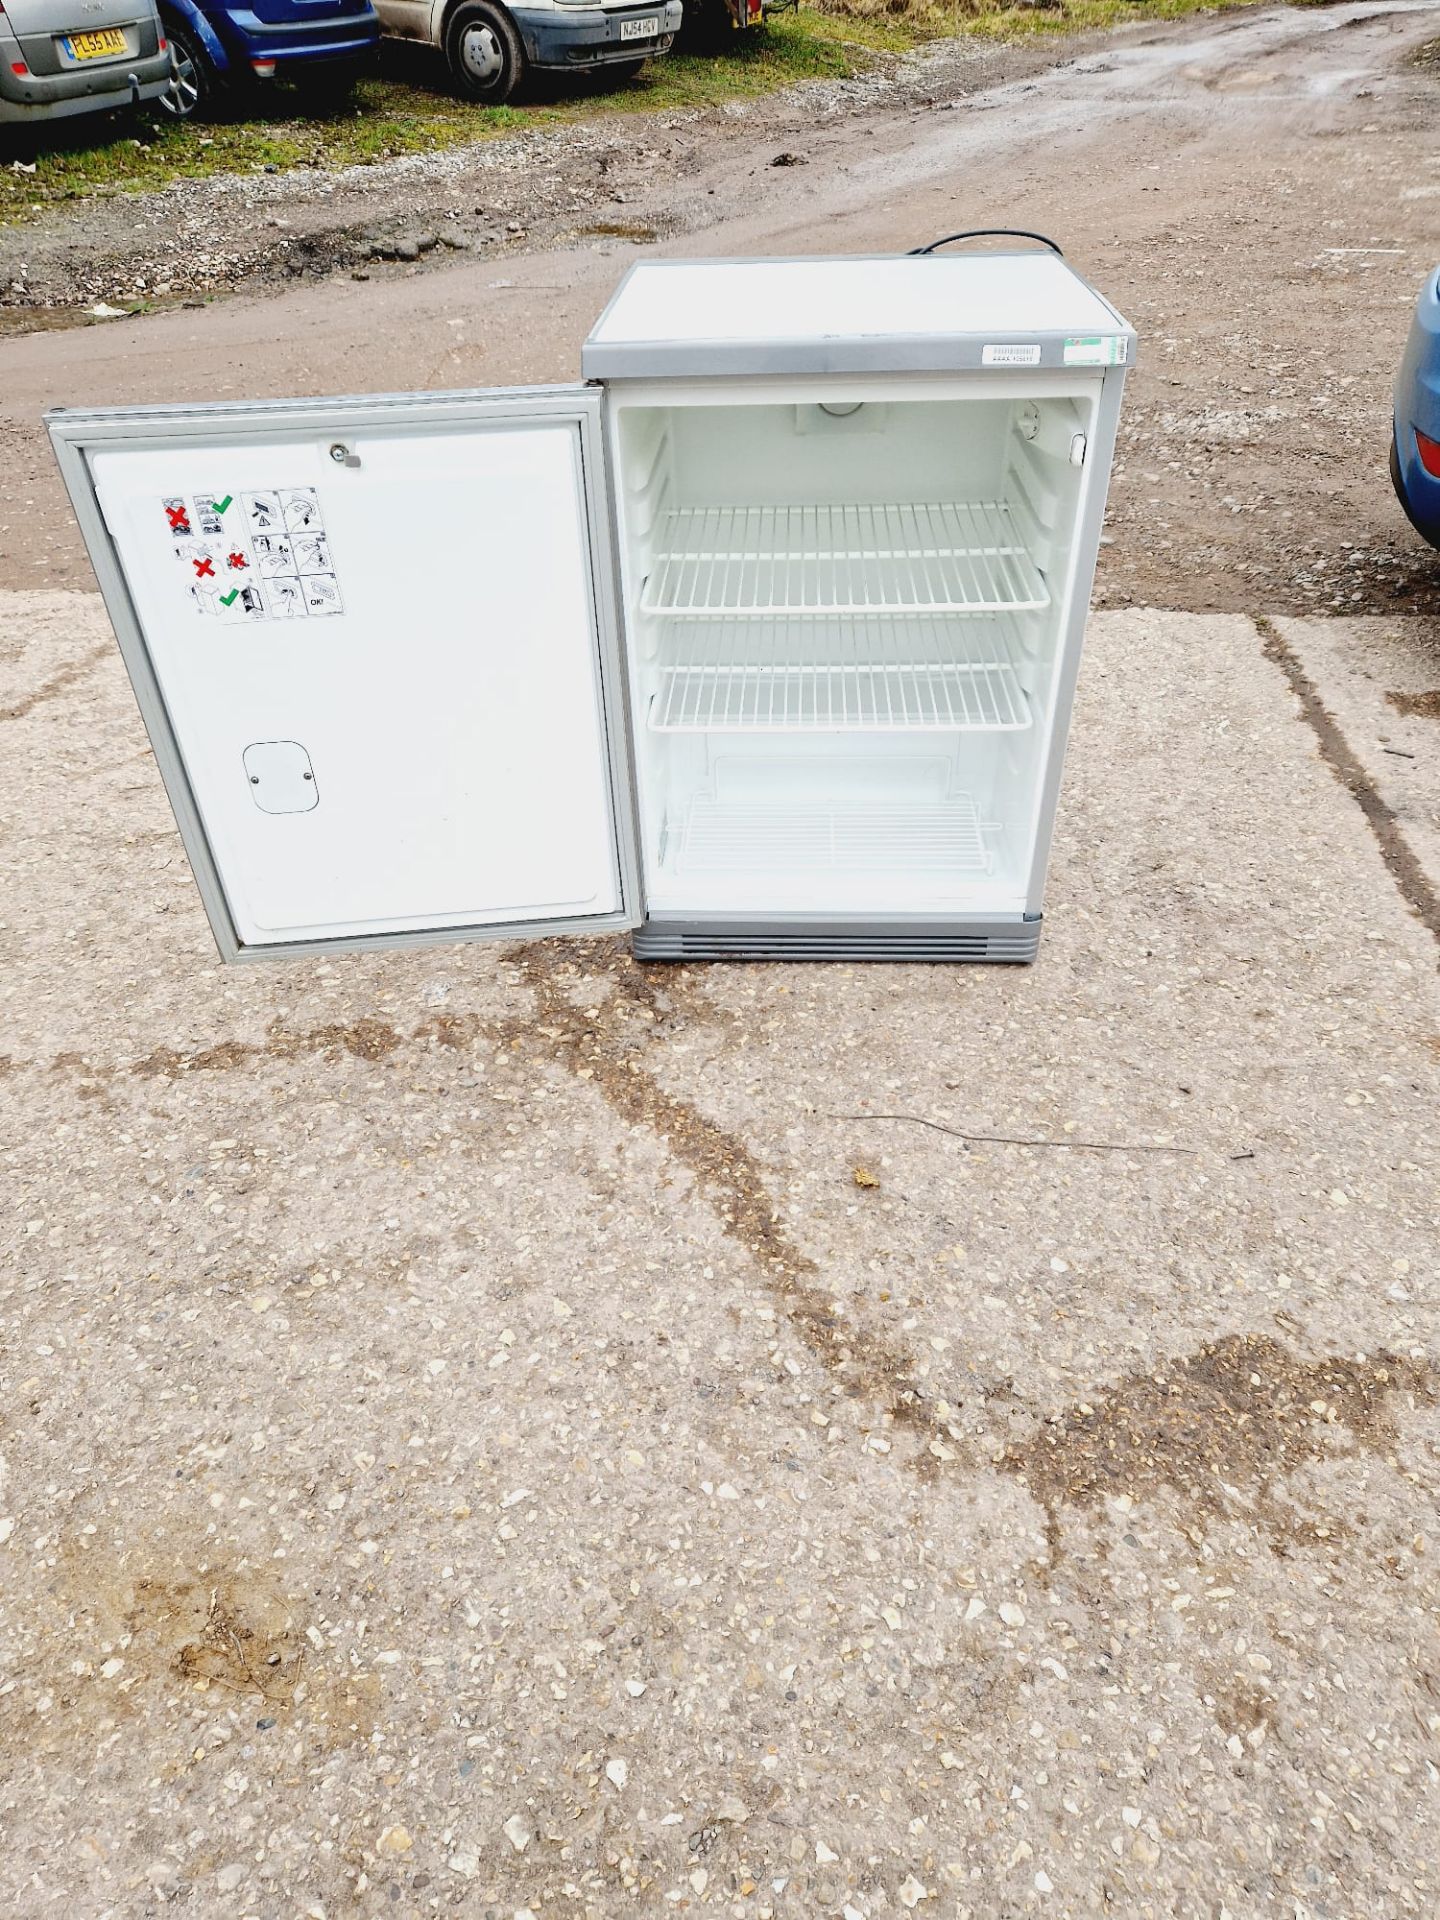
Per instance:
x=491, y=1432
x=538, y=187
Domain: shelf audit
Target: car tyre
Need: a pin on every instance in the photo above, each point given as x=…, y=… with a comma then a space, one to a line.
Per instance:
x=191, y=92
x=485, y=55
x=1397, y=480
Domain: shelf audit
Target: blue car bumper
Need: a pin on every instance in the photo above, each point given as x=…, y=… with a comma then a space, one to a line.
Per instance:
x=1417, y=416
x=234, y=38
x=335, y=38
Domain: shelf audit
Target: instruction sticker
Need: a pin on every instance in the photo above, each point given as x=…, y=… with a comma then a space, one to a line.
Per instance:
x=1102, y=350
x=209, y=514
x=1002, y=355
x=253, y=556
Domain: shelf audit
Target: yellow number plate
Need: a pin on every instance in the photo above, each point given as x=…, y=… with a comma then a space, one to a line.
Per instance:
x=91, y=46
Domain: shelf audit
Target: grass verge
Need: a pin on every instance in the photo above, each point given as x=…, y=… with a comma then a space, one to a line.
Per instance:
x=406, y=107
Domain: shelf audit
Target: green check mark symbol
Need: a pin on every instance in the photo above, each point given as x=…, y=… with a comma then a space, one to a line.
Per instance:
x=229, y=599
x=221, y=505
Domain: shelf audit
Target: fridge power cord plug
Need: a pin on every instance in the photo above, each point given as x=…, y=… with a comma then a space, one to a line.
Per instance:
x=989, y=233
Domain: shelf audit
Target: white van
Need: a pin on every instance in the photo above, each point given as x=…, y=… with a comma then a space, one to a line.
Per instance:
x=492, y=47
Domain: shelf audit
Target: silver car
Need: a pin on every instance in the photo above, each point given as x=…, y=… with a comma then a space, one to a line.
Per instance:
x=59, y=57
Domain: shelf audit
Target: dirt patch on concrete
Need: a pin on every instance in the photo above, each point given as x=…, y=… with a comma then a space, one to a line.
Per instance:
x=149, y=1633
x=1243, y=1413
x=1241, y=1706
x=220, y=1633
x=1424, y=706
x=601, y=1043
x=365, y=1039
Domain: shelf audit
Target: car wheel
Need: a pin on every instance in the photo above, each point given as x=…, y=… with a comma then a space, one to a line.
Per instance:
x=485, y=53
x=192, y=78
x=1397, y=480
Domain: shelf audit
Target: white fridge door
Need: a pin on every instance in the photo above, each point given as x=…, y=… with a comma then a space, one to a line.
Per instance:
x=375, y=645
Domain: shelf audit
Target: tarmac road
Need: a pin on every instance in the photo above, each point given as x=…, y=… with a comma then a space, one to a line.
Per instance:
x=469, y=1442
x=1255, y=190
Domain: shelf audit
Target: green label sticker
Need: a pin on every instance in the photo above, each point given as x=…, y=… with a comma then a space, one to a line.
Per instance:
x=1099, y=350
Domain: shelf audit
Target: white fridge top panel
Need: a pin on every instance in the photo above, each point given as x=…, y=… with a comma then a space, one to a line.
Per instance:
x=890, y=313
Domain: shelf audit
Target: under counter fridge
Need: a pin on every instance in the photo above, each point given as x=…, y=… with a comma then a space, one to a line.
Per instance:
x=760, y=641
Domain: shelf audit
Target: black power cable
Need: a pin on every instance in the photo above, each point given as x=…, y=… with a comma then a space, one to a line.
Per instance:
x=989, y=233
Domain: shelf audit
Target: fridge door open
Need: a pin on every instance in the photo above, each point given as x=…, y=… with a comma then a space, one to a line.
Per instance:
x=375, y=646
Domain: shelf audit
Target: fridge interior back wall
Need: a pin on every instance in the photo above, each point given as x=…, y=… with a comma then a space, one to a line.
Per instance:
x=764, y=641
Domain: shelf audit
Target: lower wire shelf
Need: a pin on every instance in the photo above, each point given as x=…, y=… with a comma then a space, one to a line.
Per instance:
x=717, y=836
x=962, y=557
x=914, y=674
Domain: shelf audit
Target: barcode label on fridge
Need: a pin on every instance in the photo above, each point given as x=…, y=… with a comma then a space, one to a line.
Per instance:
x=1009, y=356
x=1102, y=351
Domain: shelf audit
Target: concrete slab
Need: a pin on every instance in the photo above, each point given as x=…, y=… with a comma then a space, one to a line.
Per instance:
x=486, y=1431
x=1381, y=681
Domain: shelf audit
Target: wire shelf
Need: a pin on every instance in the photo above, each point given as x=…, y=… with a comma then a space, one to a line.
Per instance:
x=918, y=673
x=753, y=562
x=726, y=837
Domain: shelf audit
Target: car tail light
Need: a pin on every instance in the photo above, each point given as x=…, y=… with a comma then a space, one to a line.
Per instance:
x=263, y=69
x=1429, y=451
x=164, y=43
x=19, y=66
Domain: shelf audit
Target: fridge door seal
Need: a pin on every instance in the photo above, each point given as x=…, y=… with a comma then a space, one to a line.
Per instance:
x=1099, y=458
x=81, y=437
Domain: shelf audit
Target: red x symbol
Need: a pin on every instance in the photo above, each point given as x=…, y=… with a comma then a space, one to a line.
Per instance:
x=238, y=560
x=202, y=567
x=179, y=519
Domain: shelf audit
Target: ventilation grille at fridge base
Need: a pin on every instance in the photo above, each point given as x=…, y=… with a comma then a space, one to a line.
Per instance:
x=751, y=562
x=661, y=940
x=727, y=837
x=868, y=674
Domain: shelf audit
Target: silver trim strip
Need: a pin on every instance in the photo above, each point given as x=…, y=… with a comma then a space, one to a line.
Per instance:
x=955, y=351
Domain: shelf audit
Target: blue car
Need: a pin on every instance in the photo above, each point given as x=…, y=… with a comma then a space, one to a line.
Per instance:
x=219, y=48
x=1415, y=450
